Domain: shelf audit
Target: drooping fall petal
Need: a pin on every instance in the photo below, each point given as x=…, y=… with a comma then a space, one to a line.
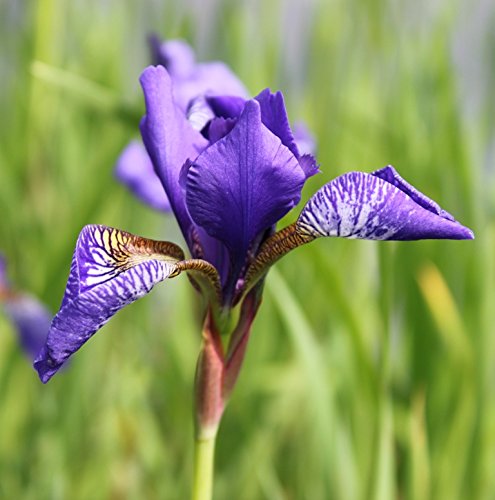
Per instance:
x=110, y=269
x=360, y=205
x=378, y=206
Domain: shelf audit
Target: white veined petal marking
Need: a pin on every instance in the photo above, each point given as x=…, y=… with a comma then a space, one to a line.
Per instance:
x=104, y=253
x=349, y=207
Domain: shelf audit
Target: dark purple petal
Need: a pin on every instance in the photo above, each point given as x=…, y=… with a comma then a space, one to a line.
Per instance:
x=309, y=165
x=110, y=269
x=243, y=183
x=215, y=252
x=31, y=320
x=360, y=205
x=219, y=128
x=169, y=138
x=274, y=117
x=135, y=170
x=226, y=106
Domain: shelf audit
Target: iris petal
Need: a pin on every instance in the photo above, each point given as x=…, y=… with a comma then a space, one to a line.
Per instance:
x=169, y=138
x=243, y=183
x=226, y=106
x=211, y=78
x=110, y=269
x=220, y=127
x=193, y=79
x=274, y=117
x=360, y=205
x=175, y=55
x=391, y=175
x=135, y=170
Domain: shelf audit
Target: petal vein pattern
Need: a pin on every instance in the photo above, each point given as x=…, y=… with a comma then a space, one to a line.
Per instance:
x=110, y=269
x=368, y=206
x=243, y=183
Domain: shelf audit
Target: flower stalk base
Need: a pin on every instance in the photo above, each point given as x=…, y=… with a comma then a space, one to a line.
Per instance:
x=204, y=454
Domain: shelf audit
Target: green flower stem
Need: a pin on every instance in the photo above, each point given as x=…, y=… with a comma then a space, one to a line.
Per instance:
x=209, y=406
x=216, y=376
x=204, y=451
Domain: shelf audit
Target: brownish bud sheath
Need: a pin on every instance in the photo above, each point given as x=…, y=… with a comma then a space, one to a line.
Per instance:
x=209, y=400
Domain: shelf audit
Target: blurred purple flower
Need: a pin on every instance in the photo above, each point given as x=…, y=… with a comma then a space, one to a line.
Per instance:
x=135, y=169
x=195, y=87
x=228, y=185
x=191, y=81
x=30, y=318
x=190, y=78
x=304, y=139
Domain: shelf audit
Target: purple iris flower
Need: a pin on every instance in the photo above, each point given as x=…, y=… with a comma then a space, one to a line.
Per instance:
x=29, y=316
x=228, y=185
x=195, y=85
x=191, y=81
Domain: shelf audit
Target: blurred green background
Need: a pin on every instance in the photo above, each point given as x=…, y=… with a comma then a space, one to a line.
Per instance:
x=371, y=370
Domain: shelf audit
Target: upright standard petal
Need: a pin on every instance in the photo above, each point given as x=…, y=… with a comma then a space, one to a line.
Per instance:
x=193, y=79
x=169, y=139
x=176, y=56
x=274, y=116
x=243, y=184
x=369, y=206
x=135, y=170
x=213, y=78
x=110, y=269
